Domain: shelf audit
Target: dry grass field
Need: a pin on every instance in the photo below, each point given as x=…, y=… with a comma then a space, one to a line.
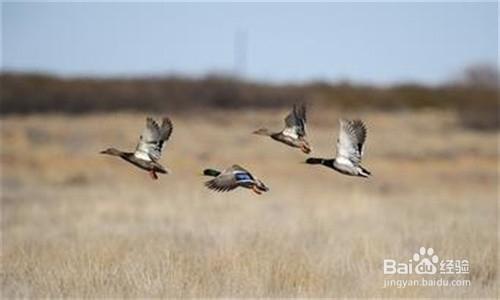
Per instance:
x=79, y=224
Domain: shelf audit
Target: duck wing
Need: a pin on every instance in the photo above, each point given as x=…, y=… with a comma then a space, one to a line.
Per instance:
x=295, y=122
x=153, y=138
x=230, y=179
x=352, y=136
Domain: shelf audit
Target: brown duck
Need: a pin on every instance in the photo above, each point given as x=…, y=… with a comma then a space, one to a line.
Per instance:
x=233, y=177
x=148, y=150
x=294, y=133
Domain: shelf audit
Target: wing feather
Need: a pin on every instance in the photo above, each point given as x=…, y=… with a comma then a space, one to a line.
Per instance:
x=295, y=122
x=153, y=138
x=350, y=143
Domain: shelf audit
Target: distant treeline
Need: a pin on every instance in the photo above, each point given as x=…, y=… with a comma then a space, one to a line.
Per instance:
x=34, y=93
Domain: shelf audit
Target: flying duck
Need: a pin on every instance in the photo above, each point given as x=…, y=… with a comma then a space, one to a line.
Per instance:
x=295, y=130
x=350, y=142
x=148, y=150
x=233, y=177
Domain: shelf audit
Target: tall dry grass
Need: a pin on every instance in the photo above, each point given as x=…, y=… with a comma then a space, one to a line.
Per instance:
x=78, y=224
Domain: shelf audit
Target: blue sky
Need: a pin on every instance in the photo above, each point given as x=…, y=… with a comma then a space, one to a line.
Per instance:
x=285, y=42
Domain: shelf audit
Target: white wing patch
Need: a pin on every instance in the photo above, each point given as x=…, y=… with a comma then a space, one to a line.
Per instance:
x=291, y=132
x=142, y=155
x=344, y=161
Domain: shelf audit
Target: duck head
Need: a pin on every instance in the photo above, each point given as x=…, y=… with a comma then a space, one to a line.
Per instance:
x=111, y=151
x=262, y=131
x=211, y=172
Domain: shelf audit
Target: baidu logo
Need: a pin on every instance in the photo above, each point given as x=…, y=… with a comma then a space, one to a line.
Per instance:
x=431, y=268
x=426, y=262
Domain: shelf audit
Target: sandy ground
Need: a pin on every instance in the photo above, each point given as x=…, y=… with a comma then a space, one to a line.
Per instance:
x=79, y=224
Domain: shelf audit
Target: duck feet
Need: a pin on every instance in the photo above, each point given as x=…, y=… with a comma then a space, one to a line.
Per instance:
x=153, y=175
x=256, y=190
x=305, y=149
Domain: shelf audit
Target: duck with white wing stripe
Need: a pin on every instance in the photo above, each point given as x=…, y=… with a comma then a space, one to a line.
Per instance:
x=350, y=144
x=148, y=151
x=294, y=133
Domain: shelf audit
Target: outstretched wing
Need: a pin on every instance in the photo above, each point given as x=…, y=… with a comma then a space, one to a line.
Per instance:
x=295, y=122
x=230, y=179
x=152, y=139
x=352, y=136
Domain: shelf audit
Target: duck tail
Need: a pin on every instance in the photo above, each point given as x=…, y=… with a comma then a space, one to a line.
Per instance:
x=261, y=186
x=211, y=172
x=314, y=161
x=162, y=169
x=364, y=172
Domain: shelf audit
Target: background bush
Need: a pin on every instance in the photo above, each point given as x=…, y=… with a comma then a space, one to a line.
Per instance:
x=474, y=96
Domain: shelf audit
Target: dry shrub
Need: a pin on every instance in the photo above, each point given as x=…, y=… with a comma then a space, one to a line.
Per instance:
x=32, y=93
